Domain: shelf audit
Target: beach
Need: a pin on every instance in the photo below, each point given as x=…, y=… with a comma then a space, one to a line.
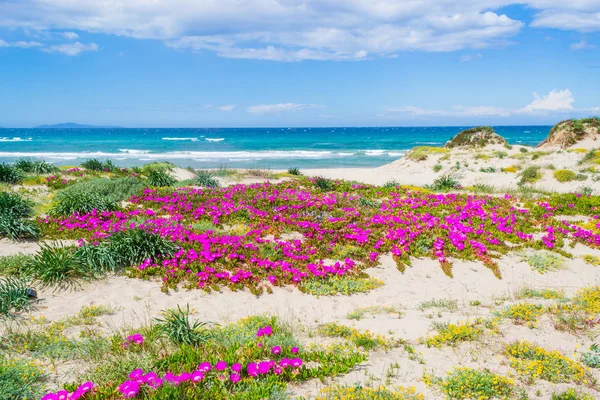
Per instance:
x=446, y=267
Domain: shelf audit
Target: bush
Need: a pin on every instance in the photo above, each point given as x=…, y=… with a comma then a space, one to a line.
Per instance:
x=10, y=174
x=206, y=179
x=93, y=164
x=444, y=183
x=19, y=379
x=391, y=184
x=81, y=201
x=14, y=211
x=523, y=150
x=160, y=177
x=133, y=246
x=323, y=183
x=14, y=295
x=437, y=167
x=571, y=394
x=530, y=175
x=33, y=166
x=177, y=326
x=564, y=175
x=511, y=169
x=55, y=265
x=294, y=171
x=592, y=357
x=13, y=203
x=113, y=190
x=345, y=285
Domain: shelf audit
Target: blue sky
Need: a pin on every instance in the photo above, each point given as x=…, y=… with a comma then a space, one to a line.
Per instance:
x=221, y=63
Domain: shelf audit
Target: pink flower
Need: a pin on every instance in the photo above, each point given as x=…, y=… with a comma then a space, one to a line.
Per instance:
x=236, y=368
x=62, y=394
x=234, y=378
x=221, y=365
x=294, y=350
x=276, y=350
x=197, y=376
x=136, y=374
x=50, y=396
x=204, y=367
x=296, y=362
x=252, y=369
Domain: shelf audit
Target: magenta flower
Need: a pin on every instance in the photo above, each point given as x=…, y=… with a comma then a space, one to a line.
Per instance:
x=264, y=367
x=235, y=378
x=236, y=368
x=50, y=396
x=221, y=365
x=136, y=374
x=62, y=395
x=276, y=350
x=252, y=369
x=296, y=362
x=204, y=367
x=294, y=350
x=197, y=376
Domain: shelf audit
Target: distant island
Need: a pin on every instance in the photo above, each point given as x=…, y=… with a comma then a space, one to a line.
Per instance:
x=72, y=125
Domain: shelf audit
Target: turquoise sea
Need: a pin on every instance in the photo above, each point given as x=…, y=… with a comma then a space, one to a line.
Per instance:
x=276, y=148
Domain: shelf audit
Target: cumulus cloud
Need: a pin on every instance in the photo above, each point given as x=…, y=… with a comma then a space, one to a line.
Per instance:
x=71, y=49
x=294, y=30
x=281, y=107
x=556, y=100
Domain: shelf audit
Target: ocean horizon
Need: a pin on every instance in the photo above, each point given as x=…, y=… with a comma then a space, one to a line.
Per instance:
x=273, y=148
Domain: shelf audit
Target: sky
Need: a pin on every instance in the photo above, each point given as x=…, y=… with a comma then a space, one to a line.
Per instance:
x=251, y=63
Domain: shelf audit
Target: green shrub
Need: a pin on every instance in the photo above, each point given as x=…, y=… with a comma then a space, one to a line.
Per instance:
x=592, y=357
x=81, y=201
x=93, y=164
x=55, y=265
x=545, y=261
x=444, y=183
x=437, y=167
x=206, y=179
x=294, y=171
x=530, y=175
x=10, y=174
x=391, y=184
x=160, y=177
x=113, y=190
x=564, y=175
x=581, y=177
x=176, y=326
x=323, y=184
x=14, y=214
x=523, y=150
x=20, y=379
x=133, y=246
x=14, y=295
x=33, y=166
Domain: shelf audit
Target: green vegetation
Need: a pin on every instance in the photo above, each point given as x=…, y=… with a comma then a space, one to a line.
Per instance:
x=564, y=175
x=569, y=132
x=530, y=175
x=14, y=295
x=420, y=153
x=93, y=164
x=33, y=166
x=10, y=174
x=480, y=136
x=545, y=261
x=160, y=177
x=206, y=179
x=444, y=183
x=15, y=214
x=294, y=171
x=345, y=285
x=20, y=379
x=592, y=357
x=467, y=383
x=176, y=326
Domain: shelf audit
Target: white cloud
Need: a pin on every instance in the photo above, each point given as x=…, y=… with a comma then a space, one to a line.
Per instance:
x=20, y=44
x=71, y=49
x=555, y=102
x=294, y=30
x=470, y=57
x=70, y=35
x=282, y=107
x=561, y=100
x=227, y=108
x=582, y=45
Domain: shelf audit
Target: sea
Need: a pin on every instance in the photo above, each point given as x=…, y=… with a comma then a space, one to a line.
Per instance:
x=265, y=148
